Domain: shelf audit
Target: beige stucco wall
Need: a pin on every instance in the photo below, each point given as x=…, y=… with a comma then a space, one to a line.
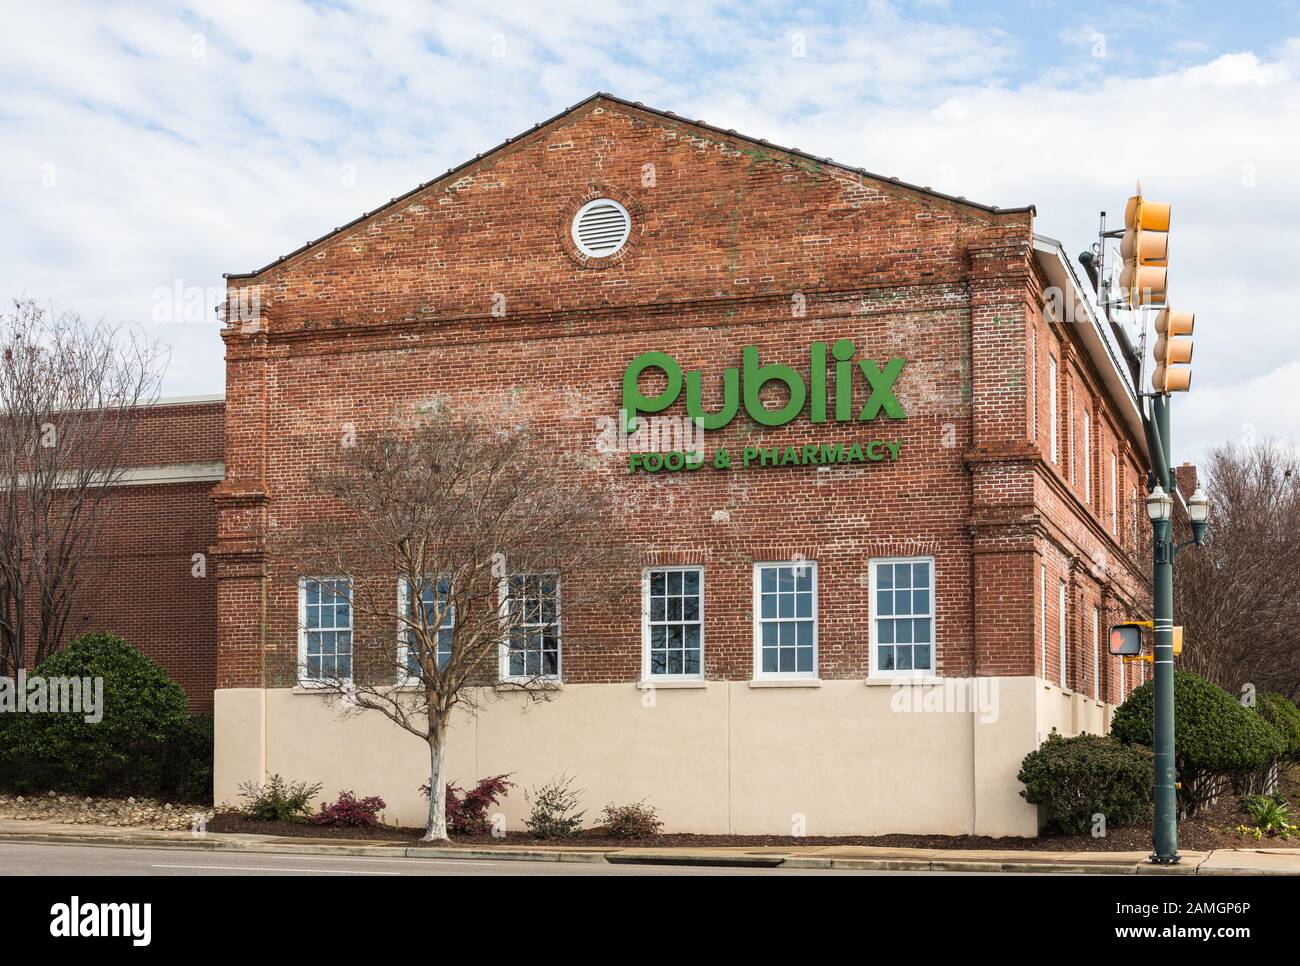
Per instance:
x=842, y=758
x=1070, y=712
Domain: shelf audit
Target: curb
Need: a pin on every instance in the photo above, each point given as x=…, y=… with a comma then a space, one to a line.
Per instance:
x=212, y=842
x=697, y=859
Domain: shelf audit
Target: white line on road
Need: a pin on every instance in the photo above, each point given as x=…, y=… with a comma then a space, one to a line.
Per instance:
x=269, y=868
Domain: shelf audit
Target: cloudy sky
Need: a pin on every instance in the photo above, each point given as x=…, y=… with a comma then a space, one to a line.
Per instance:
x=149, y=147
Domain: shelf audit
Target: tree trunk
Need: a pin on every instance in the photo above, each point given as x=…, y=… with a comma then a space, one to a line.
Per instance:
x=435, y=829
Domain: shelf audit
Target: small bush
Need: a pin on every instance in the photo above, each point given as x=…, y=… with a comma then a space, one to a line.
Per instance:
x=1217, y=742
x=1270, y=815
x=1077, y=778
x=277, y=800
x=553, y=813
x=635, y=821
x=350, y=812
x=467, y=812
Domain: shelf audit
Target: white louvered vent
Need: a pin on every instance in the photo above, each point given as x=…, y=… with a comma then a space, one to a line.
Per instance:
x=601, y=227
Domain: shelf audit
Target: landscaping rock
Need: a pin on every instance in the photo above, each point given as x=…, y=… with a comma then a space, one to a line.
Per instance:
x=117, y=813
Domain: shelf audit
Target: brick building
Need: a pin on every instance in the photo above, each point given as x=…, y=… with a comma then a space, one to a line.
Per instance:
x=146, y=577
x=866, y=636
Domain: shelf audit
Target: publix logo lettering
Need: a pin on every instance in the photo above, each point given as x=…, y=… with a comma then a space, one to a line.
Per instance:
x=843, y=404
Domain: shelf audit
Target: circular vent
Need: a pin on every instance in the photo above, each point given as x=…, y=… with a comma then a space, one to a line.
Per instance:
x=601, y=227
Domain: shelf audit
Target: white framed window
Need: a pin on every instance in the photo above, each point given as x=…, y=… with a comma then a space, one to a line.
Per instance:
x=1071, y=455
x=1042, y=611
x=672, y=623
x=1061, y=606
x=1132, y=512
x=324, y=630
x=902, y=616
x=1087, y=458
x=1114, y=494
x=1096, y=653
x=1033, y=382
x=533, y=649
x=433, y=596
x=785, y=620
x=1053, y=404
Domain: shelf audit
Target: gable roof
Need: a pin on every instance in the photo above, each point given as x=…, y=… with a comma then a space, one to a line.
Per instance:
x=451, y=173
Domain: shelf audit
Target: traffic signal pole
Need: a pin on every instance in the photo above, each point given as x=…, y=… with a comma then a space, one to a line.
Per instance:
x=1143, y=283
x=1164, y=832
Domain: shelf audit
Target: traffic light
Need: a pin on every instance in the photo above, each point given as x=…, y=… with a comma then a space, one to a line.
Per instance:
x=1145, y=251
x=1173, y=351
x=1126, y=638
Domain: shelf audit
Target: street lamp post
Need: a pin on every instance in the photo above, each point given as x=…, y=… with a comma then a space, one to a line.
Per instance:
x=1160, y=509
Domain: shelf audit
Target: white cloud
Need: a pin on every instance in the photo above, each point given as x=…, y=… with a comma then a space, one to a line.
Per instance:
x=189, y=141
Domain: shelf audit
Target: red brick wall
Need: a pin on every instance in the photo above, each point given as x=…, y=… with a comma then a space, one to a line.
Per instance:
x=139, y=580
x=732, y=245
x=1076, y=542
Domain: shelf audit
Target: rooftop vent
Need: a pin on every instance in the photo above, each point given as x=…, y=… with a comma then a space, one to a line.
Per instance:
x=601, y=227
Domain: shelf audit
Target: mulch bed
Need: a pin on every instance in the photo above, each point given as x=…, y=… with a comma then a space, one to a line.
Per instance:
x=1214, y=828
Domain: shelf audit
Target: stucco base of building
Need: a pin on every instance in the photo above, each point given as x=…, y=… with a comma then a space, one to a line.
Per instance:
x=840, y=758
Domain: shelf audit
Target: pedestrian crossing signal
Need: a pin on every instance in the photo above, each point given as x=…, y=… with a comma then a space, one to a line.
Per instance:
x=1126, y=639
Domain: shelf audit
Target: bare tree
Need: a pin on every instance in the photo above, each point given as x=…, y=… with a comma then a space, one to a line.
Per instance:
x=67, y=391
x=453, y=547
x=1238, y=598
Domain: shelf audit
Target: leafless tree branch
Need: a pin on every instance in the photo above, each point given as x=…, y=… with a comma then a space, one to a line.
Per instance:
x=459, y=543
x=68, y=391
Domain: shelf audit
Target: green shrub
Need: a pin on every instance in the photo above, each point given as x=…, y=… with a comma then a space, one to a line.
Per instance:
x=1077, y=778
x=1284, y=716
x=179, y=769
x=1270, y=815
x=142, y=708
x=635, y=821
x=278, y=800
x=1217, y=742
x=554, y=810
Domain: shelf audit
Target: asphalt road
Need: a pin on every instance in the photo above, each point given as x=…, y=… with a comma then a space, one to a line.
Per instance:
x=20, y=858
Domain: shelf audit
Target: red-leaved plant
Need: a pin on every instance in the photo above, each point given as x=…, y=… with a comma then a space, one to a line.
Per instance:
x=467, y=812
x=350, y=811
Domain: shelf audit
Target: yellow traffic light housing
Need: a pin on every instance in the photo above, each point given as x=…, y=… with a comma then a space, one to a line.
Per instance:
x=1126, y=640
x=1145, y=251
x=1173, y=351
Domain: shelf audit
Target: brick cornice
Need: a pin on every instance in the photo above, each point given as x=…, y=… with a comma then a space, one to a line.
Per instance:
x=719, y=310
x=240, y=493
x=1026, y=452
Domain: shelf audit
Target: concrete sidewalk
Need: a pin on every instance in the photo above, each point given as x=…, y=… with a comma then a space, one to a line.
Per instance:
x=1256, y=861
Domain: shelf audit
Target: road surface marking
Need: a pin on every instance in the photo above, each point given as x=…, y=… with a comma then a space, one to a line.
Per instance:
x=270, y=868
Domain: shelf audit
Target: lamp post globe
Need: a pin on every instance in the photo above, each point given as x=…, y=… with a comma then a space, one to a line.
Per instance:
x=1160, y=505
x=1198, y=512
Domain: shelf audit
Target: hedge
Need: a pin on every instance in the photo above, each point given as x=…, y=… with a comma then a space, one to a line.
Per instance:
x=145, y=743
x=1078, y=778
x=1284, y=716
x=1217, y=742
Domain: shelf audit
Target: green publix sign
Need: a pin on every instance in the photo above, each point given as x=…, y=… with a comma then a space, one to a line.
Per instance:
x=746, y=385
